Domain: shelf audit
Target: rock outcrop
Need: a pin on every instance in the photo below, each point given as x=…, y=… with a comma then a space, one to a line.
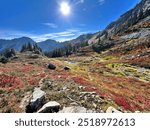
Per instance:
x=73, y=109
x=25, y=101
x=38, y=98
x=112, y=110
x=122, y=27
x=50, y=107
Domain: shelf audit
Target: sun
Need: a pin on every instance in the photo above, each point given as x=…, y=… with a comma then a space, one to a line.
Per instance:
x=65, y=8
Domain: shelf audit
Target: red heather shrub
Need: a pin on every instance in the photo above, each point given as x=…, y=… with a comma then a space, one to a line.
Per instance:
x=127, y=105
x=27, y=68
x=88, y=86
x=65, y=75
x=10, y=81
x=42, y=75
x=136, y=107
x=4, y=69
x=90, y=89
x=121, y=101
x=143, y=100
x=33, y=81
x=81, y=81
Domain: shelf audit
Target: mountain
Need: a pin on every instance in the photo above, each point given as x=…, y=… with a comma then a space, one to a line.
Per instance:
x=46, y=46
x=140, y=13
x=81, y=38
x=131, y=17
x=127, y=37
x=50, y=45
x=116, y=79
x=16, y=43
x=134, y=24
x=135, y=16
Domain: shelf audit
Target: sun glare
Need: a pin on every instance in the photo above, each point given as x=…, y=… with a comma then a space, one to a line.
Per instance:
x=65, y=8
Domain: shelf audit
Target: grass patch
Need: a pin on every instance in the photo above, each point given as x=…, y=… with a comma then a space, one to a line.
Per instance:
x=121, y=69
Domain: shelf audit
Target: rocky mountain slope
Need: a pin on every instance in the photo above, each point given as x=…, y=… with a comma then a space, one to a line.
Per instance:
x=140, y=13
x=81, y=38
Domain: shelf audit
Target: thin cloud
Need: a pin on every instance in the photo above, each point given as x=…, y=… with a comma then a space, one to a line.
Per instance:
x=79, y=2
x=51, y=25
x=10, y=34
x=101, y=2
x=59, y=36
x=68, y=34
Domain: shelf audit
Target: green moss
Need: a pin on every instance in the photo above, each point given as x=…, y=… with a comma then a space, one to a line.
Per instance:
x=121, y=69
x=109, y=58
x=107, y=104
x=120, y=74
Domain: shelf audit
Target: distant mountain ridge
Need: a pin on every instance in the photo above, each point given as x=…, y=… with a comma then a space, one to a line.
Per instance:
x=46, y=46
x=50, y=45
x=16, y=43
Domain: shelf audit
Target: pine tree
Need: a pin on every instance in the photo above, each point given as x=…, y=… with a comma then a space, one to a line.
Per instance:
x=33, y=48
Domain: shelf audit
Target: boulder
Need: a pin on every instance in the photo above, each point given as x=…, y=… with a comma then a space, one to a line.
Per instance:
x=51, y=67
x=91, y=111
x=25, y=101
x=4, y=60
x=137, y=112
x=112, y=110
x=66, y=68
x=38, y=98
x=50, y=107
x=73, y=109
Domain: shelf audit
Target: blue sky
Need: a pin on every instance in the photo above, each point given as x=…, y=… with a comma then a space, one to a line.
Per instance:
x=42, y=19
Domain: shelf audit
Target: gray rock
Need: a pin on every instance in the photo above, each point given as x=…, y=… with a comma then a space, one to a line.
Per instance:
x=38, y=98
x=25, y=101
x=137, y=112
x=81, y=87
x=51, y=67
x=50, y=107
x=94, y=105
x=66, y=68
x=91, y=111
x=88, y=93
x=65, y=88
x=141, y=34
x=73, y=104
x=112, y=110
x=73, y=109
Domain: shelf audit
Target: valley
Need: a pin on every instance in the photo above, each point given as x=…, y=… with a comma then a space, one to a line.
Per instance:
x=113, y=82
x=104, y=72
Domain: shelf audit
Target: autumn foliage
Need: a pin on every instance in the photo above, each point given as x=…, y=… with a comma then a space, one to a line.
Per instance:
x=10, y=81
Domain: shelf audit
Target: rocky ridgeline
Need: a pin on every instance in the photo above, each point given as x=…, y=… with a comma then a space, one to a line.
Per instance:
x=68, y=97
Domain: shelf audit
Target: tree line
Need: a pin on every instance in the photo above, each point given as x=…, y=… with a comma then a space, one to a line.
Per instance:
x=31, y=47
x=9, y=53
x=67, y=50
